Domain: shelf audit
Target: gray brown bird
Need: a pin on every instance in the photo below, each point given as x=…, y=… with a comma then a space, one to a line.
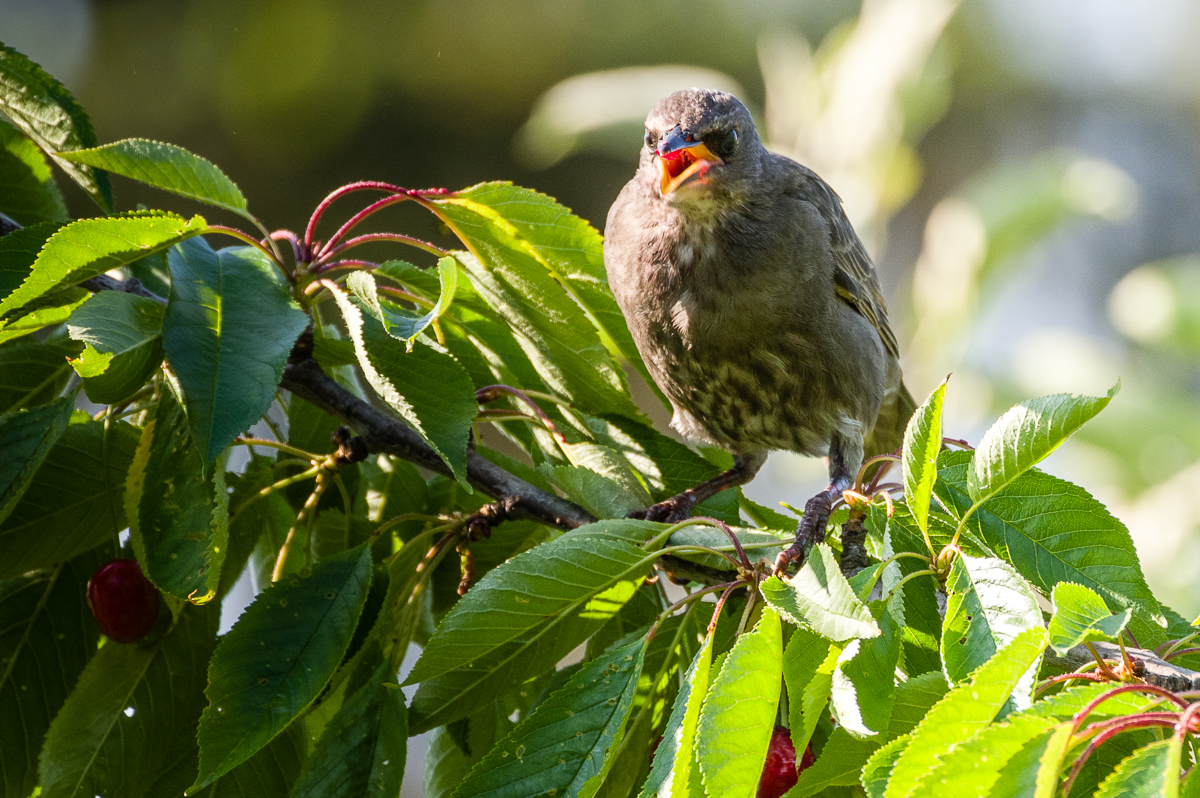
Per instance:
x=753, y=303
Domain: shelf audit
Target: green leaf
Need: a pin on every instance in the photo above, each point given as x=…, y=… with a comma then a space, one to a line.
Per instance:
x=1080, y=616
x=400, y=324
x=815, y=698
x=801, y=660
x=1019, y=775
x=819, y=598
x=914, y=699
x=28, y=193
x=26, y=437
x=74, y=501
x=1151, y=772
x=922, y=442
x=228, y=330
x=268, y=774
x=567, y=246
x=1022, y=437
x=599, y=495
x=564, y=747
x=879, y=767
x=576, y=612
x=973, y=767
x=964, y=711
x=178, y=517
x=167, y=167
x=88, y=247
x=363, y=749
x=1052, y=531
x=278, y=657
x=549, y=581
x=48, y=114
x=552, y=331
x=988, y=604
x=738, y=715
x=18, y=252
x=133, y=704
x=46, y=638
x=451, y=754
x=674, y=772
x=38, y=315
x=124, y=337
x=33, y=373
x=427, y=387
x=864, y=682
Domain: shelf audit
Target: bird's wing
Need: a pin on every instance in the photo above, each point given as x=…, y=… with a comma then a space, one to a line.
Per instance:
x=854, y=276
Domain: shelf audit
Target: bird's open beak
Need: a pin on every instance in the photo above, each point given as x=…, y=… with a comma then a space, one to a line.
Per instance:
x=681, y=159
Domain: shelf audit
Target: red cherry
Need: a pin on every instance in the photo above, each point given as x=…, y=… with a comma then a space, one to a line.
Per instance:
x=779, y=771
x=123, y=601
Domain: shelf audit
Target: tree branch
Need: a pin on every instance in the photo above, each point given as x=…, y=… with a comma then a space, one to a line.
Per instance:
x=1159, y=672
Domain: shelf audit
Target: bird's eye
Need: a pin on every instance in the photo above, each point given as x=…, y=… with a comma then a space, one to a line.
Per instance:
x=728, y=143
x=649, y=139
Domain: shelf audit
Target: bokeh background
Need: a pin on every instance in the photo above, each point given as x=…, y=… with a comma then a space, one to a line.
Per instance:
x=1025, y=172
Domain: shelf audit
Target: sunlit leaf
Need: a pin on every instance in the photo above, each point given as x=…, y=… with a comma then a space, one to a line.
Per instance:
x=738, y=715
x=674, y=771
x=124, y=336
x=864, y=682
x=165, y=166
x=88, y=247
x=178, y=515
x=819, y=598
x=403, y=325
x=966, y=710
x=1024, y=436
x=973, y=766
x=228, y=330
x=987, y=605
x=922, y=442
x=1080, y=616
x=426, y=387
x=1052, y=531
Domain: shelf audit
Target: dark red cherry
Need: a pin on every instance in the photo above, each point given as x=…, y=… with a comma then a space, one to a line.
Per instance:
x=123, y=601
x=779, y=771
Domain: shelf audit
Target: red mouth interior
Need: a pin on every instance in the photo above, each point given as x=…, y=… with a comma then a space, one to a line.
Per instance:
x=677, y=161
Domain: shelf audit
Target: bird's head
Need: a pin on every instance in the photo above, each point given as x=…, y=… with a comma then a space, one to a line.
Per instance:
x=700, y=144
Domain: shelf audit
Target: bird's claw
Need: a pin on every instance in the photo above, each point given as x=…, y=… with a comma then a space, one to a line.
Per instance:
x=669, y=511
x=810, y=532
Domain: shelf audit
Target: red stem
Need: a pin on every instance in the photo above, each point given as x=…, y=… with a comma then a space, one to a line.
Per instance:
x=403, y=239
x=1180, y=653
x=349, y=263
x=721, y=605
x=1125, y=688
x=491, y=393
x=364, y=185
x=1090, y=676
x=737, y=544
x=1126, y=723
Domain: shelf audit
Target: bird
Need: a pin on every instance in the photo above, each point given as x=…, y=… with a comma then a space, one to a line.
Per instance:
x=754, y=305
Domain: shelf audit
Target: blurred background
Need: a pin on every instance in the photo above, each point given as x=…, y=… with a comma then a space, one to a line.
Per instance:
x=1025, y=172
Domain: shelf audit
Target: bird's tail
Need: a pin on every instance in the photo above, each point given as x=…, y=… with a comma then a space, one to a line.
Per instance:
x=888, y=434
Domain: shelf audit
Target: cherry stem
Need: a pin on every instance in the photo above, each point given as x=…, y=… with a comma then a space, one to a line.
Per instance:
x=690, y=597
x=1063, y=677
x=1185, y=720
x=737, y=544
x=1180, y=652
x=294, y=240
x=1125, y=688
x=721, y=605
x=283, y=447
x=347, y=263
x=254, y=242
x=492, y=392
x=498, y=415
x=1100, y=663
x=370, y=237
x=958, y=442
x=364, y=185
x=870, y=461
x=1123, y=724
x=1171, y=645
x=910, y=577
x=406, y=296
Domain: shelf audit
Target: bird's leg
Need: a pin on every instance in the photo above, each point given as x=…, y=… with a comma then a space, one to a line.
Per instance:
x=845, y=456
x=679, y=507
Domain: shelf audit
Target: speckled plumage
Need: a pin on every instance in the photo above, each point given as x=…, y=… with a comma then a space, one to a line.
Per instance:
x=752, y=300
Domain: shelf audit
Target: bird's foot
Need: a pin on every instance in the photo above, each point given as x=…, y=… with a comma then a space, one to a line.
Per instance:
x=670, y=511
x=810, y=531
